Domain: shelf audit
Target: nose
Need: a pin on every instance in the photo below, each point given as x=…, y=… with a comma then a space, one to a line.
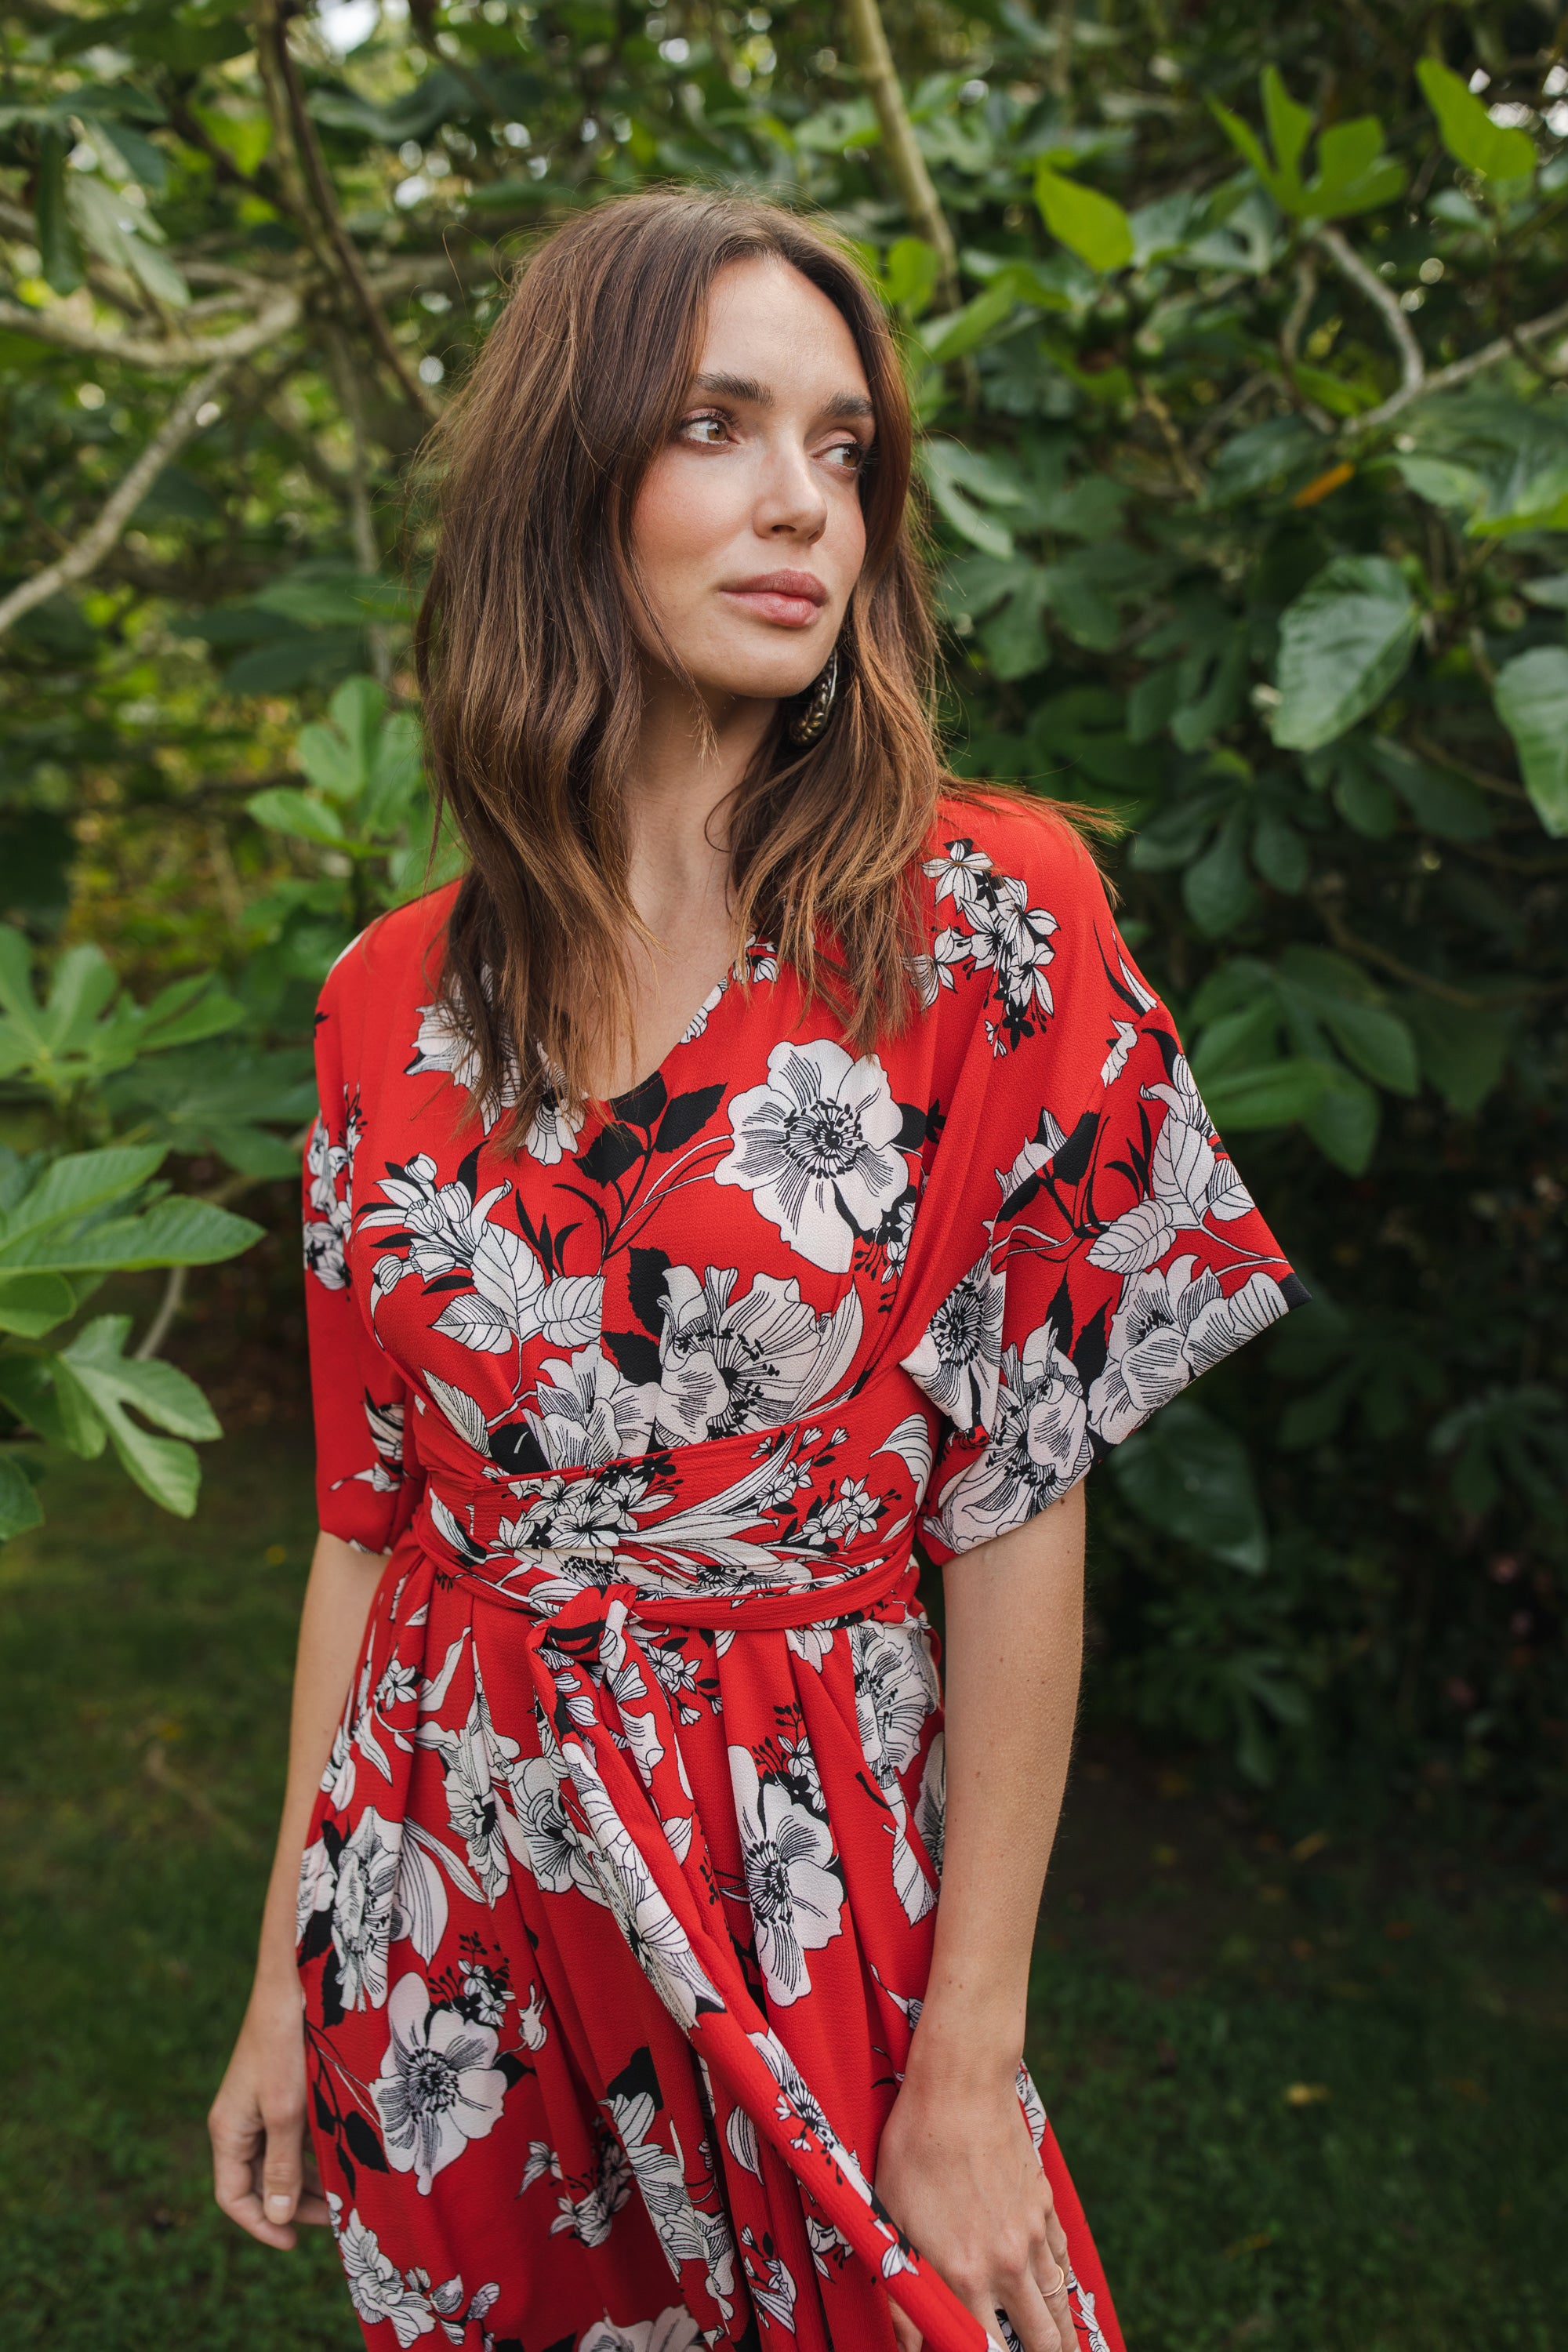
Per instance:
x=791, y=503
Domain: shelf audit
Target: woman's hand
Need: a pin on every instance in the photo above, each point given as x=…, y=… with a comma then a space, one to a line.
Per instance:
x=958, y=2172
x=261, y=2175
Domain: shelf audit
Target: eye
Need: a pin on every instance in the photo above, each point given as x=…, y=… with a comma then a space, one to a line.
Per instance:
x=708, y=431
x=848, y=457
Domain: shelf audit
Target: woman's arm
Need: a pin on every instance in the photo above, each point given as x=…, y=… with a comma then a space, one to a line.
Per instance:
x=956, y=2166
x=257, y=2120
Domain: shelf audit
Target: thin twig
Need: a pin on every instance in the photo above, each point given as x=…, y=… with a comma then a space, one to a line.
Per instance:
x=1187, y=474
x=95, y=542
x=868, y=40
x=169, y=1305
x=367, y=549
x=274, y=41
x=1457, y=371
x=172, y=354
x=1300, y=309
x=1367, y=951
x=1350, y=265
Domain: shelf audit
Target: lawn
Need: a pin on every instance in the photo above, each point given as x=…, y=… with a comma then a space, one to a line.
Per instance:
x=1312, y=2092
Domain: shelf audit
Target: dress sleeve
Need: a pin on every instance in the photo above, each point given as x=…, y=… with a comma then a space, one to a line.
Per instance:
x=1124, y=1254
x=365, y=1491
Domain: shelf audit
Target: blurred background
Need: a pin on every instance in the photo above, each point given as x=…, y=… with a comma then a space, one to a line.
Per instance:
x=1241, y=345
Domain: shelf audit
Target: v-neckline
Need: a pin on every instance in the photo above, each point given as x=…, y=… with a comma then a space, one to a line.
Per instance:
x=626, y=1100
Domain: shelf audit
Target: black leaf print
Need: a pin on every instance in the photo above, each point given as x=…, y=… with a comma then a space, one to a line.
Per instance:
x=345, y=2165
x=331, y=1992
x=613, y=1151
x=326, y=2119
x=645, y=1287
x=318, y=1936
x=1073, y=1158
x=364, y=2141
x=637, y=2079
x=643, y=1105
x=1017, y=1201
x=635, y=1353
x=1093, y=1347
x=514, y=2068
x=518, y=1451
x=912, y=1135
x=687, y=1115
x=1060, y=1316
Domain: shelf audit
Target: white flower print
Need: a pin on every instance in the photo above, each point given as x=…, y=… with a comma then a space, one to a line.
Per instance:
x=896, y=1691
x=1039, y=1447
x=377, y=2289
x=330, y=1170
x=551, y=1134
x=540, y=1835
x=439, y=2086
x=1168, y=1326
x=407, y=2300
x=659, y=2171
x=794, y=1883
x=472, y=1759
x=315, y=1889
x=588, y=2217
x=586, y=1414
x=1002, y=933
x=770, y=2280
x=658, y=1943
x=385, y=1475
x=363, y=1904
x=816, y=1148
x=674, y=2330
x=754, y=1362
x=450, y=1229
x=960, y=1354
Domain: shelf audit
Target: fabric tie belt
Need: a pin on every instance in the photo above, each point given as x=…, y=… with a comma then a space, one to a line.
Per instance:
x=606, y=1724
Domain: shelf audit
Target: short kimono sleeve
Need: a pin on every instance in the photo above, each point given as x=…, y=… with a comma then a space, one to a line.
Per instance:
x=359, y=1396
x=1125, y=1254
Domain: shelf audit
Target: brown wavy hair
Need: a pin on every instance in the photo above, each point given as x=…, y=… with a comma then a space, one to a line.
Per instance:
x=530, y=666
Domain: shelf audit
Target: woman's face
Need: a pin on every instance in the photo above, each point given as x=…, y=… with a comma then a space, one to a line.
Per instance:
x=747, y=530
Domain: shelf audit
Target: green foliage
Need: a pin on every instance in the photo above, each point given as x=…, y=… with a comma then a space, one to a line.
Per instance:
x=71, y=1218
x=1247, y=471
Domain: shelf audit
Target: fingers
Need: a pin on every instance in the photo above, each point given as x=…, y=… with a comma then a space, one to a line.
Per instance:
x=1030, y=2317
x=258, y=2171
x=1052, y=2268
x=906, y=2335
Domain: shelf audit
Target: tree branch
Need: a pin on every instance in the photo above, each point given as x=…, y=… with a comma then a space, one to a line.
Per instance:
x=1350, y=265
x=95, y=542
x=868, y=40
x=171, y=354
x=273, y=42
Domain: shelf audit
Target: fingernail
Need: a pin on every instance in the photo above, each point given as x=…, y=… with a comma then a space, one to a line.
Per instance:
x=278, y=2209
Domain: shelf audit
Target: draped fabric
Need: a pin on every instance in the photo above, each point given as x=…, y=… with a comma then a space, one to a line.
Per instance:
x=616, y=1915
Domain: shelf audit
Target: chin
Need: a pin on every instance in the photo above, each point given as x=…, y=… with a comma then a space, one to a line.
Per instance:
x=761, y=681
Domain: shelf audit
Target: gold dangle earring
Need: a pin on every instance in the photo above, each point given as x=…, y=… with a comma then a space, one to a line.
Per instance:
x=809, y=722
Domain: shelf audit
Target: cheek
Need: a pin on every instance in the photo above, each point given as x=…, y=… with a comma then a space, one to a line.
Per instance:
x=682, y=513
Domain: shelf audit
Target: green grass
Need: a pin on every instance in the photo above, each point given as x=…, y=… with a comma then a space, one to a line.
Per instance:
x=1191, y=1972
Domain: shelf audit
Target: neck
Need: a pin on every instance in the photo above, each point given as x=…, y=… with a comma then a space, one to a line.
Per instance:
x=691, y=757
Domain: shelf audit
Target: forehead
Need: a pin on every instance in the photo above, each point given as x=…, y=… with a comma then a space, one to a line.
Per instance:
x=766, y=321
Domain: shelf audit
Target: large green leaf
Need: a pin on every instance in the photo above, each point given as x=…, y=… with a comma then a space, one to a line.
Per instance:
x=71, y=1189
x=1491, y=150
x=1189, y=1476
x=1092, y=225
x=19, y=1506
x=115, y=1385
x=32, y=1304
x=1344, y=644
x=1273, y=1094
x=1532, y=696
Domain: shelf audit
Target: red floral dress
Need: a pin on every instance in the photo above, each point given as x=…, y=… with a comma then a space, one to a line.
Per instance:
x=616, y=1911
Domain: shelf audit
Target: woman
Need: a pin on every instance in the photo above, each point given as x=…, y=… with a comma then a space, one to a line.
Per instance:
x=768, y=1148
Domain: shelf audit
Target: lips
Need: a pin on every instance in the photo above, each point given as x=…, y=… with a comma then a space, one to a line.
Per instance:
x=791, y=599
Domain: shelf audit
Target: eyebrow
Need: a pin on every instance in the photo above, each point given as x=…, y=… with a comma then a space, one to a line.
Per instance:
x=746, y=388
